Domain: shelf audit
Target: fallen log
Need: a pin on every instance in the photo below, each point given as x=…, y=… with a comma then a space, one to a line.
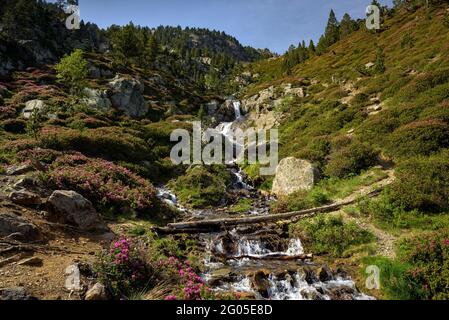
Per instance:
x=277, y=257
x=213, y=224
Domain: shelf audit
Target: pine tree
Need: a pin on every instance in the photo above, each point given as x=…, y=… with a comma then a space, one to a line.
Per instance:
x=151, y=52
x=332, y=33
x=321, y=46
x=127, y=44
x=347, y=25
x=311, y=47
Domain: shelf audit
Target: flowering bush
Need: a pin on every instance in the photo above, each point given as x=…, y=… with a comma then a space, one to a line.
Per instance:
x=122, y=268
x=188, y=285
x=429, y=256
x=104, y=183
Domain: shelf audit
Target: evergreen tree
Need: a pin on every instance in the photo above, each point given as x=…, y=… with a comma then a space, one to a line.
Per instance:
x=332, y=33
x=311, y=47
x=321, y=46
x=151, y=52
x=127, y=44
x=347, y=25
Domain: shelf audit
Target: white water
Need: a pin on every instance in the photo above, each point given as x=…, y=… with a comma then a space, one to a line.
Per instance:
x=169, y=198
x=292, y=286
x=238, y=113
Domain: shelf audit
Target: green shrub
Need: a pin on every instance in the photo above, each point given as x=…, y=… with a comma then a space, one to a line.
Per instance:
x=110, y=143
x=243, y=205
x=300, y=200
x=360, y=99
x=418, y=138
x=72, y=70
x=14, y=125
x=351, y=160
x=429, y=257
x=202, y=186
x=423, y=183
x=330, y=234
x=385, y=211
x=375, y=130
x=393, y=282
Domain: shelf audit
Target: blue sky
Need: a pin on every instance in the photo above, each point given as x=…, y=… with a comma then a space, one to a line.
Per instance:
x=274, y=24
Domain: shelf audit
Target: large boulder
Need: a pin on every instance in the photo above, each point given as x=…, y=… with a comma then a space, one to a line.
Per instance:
x=97, y=99
x=21, y=228
x=32, y=105
x=294, y=175
x=128, y=96
x=72, y=208
x=97, y=292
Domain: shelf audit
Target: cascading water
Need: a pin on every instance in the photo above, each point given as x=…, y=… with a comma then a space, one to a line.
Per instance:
x=233, y=261
x=238, y=113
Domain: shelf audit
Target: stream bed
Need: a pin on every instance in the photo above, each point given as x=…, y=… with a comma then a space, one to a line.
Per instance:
x=259, y=262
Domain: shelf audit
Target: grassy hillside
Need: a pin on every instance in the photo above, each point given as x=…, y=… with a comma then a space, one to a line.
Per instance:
x=354, y=117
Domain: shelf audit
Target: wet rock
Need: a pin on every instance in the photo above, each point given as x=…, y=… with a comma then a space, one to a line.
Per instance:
x=310, y=294
x=260, y=283
x=72, y=208
x=293, y=175
x=127, y=96
x=18, y=293
x=341, y=292
x=324, y=274
x=97, y=292
x=24, y=198
x=310, y=276
x=230, y=246
x=11, y=223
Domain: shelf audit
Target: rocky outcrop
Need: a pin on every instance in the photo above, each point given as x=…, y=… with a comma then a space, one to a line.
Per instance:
x=24, y=198
x=97, y=99
x=32, y=105
x=98, y=73
x=222, y=113
x=294, y=175
x=263, y=109
x=128, y=96
x=21, y=228
x=72, y=208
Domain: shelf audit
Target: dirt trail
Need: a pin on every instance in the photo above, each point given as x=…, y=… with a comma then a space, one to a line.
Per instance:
x=385, y=240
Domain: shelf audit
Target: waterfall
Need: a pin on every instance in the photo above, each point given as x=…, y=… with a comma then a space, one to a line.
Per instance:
x=238, y=114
